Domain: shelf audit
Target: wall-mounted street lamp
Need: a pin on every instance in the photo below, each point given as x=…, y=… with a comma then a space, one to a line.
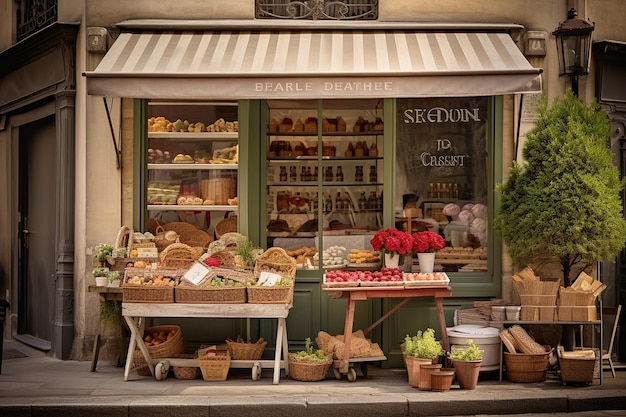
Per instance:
x=573, y=44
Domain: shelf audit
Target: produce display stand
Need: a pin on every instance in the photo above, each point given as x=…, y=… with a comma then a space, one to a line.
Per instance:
x=135, y=314
x=354, y=294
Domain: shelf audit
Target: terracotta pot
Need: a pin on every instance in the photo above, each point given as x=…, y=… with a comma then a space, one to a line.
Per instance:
x=467, y=373
x=424, y=382
x=441, y=379
x=413, y=368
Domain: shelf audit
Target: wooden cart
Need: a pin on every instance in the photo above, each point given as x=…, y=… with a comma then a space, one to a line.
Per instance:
x=345, y=365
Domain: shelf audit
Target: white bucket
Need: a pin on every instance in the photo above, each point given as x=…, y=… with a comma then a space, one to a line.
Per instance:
x=485, y=337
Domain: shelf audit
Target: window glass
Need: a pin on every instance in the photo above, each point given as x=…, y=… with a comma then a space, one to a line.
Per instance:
x=442, y=176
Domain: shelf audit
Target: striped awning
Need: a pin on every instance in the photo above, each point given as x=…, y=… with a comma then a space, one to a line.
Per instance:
x=312, y=64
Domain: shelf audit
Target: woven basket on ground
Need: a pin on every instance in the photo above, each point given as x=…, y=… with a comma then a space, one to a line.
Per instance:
x=308, y=371
x=524, y=367
x=214, y=368
x=178, y=255
x=173, y=346
x=186, y=372
x=580, y=366
x=240, y=350
x=277, y=261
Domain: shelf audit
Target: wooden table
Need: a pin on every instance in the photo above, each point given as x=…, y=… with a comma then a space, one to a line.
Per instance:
x=106, y=294
x=135, y=313
x=354, y=294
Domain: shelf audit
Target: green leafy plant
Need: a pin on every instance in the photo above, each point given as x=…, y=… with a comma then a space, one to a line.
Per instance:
x=470, y=353
x=246, y=250
x=113, y=276
x=309, y=354
x=563, y=205
x=423, y=345
x=100, y=272
x=111, y=311
x=221, y=282
x=101, y=252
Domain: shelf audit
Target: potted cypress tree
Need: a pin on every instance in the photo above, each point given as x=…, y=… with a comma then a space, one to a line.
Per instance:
x=563, y=205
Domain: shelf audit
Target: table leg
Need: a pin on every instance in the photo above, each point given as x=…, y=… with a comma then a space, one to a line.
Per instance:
x=132, y=325
x=285, y=347
x=95, y=353
x=442, y=324
x=347, y=335
x=279, y=347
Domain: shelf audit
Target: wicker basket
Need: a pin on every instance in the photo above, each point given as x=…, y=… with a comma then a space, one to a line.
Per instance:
x=214, y=368
x=226, y=258
x=218, y=189
x=178, y=255
x=124, y=239
x=308, y=371
x=577, y=366
x=149, y=293
x=277, y=261
x=525, y=367
x=235, y=274
x=165, y=350
x=187, y=293
x=246, y=351
x=228, y=225
x=276, y=294
x=186, y=372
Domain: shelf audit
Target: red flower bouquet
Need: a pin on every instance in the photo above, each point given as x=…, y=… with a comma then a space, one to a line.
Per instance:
x=427, y=241
x=392, y=240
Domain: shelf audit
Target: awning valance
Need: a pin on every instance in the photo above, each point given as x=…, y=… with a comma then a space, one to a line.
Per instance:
x=312, y=64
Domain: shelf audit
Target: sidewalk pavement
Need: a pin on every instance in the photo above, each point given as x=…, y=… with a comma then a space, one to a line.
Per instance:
x=41, y=386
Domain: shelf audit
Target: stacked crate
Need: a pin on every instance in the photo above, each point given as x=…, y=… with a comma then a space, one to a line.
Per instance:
x=578, y=301
x=537, y=297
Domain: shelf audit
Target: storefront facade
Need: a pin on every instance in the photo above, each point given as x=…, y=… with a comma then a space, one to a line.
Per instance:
x=449, y=94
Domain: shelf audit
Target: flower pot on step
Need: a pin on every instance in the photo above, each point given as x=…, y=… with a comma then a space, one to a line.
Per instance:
x=413, y=369
x=441, y=379
x=424, y=382
x=467, y=373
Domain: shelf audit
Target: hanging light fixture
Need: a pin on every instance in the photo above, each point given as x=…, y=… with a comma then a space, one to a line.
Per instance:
x=573, y=44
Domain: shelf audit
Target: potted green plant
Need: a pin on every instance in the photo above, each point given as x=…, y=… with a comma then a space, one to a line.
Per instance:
x=466, y=362
x=310, y=364
x=101, y=275
x=563, y=206
x=114, y=278
x=101, y=253
x=421, y=349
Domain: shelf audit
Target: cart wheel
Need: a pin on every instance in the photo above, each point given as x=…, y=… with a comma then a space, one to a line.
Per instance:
x=161, y=370
x=337, y=373
x=351, y=375
x=364, y=369
x=256, y=371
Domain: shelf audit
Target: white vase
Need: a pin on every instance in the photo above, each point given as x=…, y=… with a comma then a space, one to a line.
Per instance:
x=427, y=262
x=392, y=259
x=102, y=281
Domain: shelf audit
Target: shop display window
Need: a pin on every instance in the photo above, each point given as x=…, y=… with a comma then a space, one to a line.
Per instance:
x=324, y=175
x=192, y=163
x=443, y=178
